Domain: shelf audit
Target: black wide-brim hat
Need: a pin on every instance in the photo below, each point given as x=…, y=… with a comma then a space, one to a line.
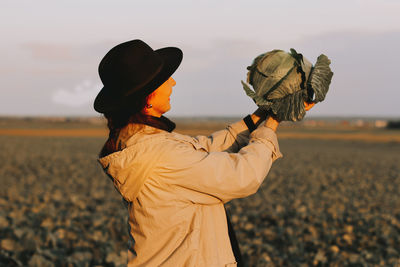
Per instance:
x=131, y=71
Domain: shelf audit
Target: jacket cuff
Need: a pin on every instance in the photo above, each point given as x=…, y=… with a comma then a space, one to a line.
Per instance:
x=268, y=137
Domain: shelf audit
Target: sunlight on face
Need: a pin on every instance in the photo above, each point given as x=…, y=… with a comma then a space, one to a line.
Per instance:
x=159, y=99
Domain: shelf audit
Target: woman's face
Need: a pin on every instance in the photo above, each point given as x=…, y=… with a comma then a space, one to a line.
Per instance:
x=158, y=101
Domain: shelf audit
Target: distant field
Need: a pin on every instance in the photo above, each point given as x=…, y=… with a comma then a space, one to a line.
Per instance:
x=325, y=203
x=97, y=128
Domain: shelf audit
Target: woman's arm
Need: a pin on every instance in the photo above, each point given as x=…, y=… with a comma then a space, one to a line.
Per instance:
x=209, y=178
x=234, y=137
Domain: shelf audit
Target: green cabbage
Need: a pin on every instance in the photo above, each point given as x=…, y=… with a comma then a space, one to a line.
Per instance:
x=283, y=81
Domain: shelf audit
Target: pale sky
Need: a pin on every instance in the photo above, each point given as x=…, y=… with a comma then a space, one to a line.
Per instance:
x=50, y=51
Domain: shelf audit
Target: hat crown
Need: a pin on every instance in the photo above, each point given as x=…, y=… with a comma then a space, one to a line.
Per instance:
x=129, y=66
x=131, y=71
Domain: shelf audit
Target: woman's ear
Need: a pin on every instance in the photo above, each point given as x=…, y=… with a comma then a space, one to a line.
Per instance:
x=146, y=109
x=148, y=106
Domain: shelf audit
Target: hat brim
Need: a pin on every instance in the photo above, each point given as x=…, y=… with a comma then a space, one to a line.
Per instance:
x=108, y=100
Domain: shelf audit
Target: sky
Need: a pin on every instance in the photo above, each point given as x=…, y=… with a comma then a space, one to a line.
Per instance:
x=50, y=51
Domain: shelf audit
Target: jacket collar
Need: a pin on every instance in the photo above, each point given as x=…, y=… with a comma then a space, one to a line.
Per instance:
x=131, y=165
x=150, y=124
x=162, y=123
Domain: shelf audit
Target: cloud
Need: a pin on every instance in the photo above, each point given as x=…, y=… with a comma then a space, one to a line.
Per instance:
x=81, y=95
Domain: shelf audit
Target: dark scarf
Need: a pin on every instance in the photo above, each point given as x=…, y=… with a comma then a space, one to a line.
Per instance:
x=162, y=123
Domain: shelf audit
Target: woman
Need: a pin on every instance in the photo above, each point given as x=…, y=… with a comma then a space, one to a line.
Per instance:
x=175, y=186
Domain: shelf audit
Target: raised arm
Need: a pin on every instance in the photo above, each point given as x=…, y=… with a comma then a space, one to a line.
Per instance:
x=234, y=137
x=211, y=177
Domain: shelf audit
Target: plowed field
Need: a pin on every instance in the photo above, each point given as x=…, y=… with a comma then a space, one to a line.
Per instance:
x=330, y=201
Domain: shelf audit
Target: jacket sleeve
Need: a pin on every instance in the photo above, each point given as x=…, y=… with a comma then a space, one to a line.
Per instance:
x=231, y=139
x=212, y=177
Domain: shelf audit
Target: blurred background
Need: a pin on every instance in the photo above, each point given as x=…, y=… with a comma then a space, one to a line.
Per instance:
x=332, y=200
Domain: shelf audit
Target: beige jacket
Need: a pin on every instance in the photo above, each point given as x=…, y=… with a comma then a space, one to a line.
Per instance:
x=176, y=186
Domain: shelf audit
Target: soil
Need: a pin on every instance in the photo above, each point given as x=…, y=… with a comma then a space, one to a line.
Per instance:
x=327, y=202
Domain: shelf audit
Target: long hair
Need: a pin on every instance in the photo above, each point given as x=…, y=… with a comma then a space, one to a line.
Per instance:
x=116, y=120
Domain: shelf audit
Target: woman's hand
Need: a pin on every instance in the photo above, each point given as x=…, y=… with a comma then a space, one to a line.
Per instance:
x=308, y=106
x=272, y=123
x=260, y=115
